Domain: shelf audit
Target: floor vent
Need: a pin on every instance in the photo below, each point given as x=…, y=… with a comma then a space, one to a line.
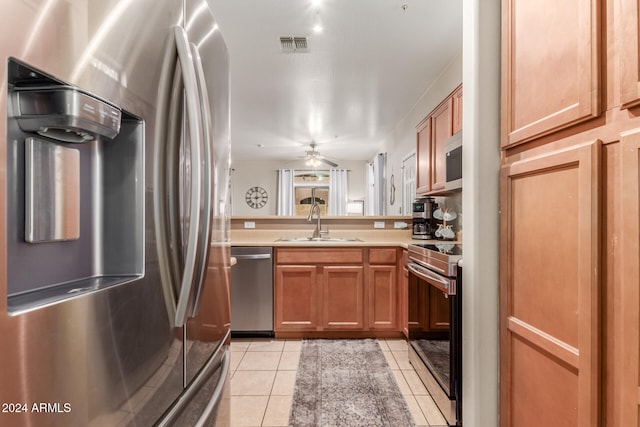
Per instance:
x=294, y=44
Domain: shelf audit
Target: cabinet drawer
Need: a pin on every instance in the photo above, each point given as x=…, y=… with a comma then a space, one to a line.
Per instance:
x=297, y=255
x=382, y=256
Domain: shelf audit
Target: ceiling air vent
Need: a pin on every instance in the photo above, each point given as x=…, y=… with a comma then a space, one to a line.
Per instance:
x=294, y=44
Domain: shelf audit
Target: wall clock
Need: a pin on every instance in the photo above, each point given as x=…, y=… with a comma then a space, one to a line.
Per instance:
x=256, y=197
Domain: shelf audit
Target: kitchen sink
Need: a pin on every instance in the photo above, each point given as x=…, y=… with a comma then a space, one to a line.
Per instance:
x=318, y=239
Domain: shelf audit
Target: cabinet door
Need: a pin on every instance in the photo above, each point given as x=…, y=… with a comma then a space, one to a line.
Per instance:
x=457, y=110
x=439, y=311
x=551, y=66
x=629, y=380
x=418, y=300
x=549, y=290
x=441, y=130
x=382, y=297
x=342, y=297
x=404, y=295
x=629, y=45
x=423, y=153
x=295, y=297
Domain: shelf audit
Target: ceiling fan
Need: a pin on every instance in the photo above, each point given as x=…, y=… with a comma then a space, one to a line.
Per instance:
x=314, y=159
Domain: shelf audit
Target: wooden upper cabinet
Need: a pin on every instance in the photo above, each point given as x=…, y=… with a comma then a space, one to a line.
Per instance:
x=423, y=151
x=457, y=109
x=441, y=130
x=550, y=289
x=432, y=133
x=551, y=74
x=629, y=45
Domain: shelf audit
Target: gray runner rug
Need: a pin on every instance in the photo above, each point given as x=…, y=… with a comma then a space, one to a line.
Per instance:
x=346, y=383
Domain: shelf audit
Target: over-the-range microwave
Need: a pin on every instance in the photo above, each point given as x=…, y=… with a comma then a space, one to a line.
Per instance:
x=453, y=162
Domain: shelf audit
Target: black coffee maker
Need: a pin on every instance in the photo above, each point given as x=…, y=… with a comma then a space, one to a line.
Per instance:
x=424, y=225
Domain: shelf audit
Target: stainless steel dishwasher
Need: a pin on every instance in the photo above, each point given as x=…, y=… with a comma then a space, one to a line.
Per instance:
x=252, y=292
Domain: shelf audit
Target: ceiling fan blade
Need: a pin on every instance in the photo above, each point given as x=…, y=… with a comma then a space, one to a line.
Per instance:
x=329, y=162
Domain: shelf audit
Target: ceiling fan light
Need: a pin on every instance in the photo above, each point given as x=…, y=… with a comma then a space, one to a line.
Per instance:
x=312, y=162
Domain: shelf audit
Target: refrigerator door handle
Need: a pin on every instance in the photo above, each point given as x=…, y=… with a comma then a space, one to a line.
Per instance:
x=217, y=393
x=218, y=361
x=192, y=100
x=203, y=244
x=166, y=167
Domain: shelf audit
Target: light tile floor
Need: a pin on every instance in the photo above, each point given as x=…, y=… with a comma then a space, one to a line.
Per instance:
x=263, y=375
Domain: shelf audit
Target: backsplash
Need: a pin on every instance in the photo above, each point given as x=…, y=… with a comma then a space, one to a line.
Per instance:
x=453, y=203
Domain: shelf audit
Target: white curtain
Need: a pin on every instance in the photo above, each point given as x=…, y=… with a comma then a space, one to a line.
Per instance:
x=376, y=185
x=369, y=200
x=285, y=192
x=338, y=192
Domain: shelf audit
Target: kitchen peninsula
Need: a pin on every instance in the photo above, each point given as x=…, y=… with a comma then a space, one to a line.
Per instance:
x=270, y=230
x=346, y=288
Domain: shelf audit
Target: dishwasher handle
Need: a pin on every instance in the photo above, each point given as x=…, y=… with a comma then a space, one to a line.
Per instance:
x=253, y=256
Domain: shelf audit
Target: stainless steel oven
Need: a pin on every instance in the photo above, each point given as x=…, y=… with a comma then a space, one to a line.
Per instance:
x=435, y=323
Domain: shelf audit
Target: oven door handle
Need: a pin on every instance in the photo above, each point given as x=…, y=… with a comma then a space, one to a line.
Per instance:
x=433, y=278
x=423, y=264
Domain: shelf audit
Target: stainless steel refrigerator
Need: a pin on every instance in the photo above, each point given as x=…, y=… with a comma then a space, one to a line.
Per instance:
x=114, y=189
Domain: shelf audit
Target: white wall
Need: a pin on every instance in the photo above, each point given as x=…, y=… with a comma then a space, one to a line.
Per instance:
x=480, y=197
x=402, y=140
x=478, y=67
x=262, y=173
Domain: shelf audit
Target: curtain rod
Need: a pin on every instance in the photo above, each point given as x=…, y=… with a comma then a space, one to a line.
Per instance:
x=310, y=170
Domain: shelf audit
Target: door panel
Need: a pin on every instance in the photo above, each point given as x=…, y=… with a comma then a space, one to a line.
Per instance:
x=343, y=297
x=549, y=308
x=551, y=77
x=208, y=329
x=439, y=310
x=441, y=130
x=629, y=375
x=630, y=44
x=295, y=296
x=382, y=296
x=424, y=157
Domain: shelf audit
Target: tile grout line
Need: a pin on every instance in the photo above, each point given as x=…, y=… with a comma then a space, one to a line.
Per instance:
x=271, y=390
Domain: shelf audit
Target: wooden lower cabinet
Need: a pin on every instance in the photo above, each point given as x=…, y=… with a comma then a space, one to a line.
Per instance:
x=404, y=295
x=296, y=291
x=383, y=301
x=336, y=289
x=418, y=296
x=342, y=297
x=439, y=310
x=550, y=298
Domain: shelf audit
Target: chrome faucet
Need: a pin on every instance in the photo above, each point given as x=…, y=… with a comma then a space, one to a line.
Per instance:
x=315, y=206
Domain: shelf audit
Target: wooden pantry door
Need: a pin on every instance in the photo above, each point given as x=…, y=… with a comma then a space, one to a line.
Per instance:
x=629, y=379
x=549, y=290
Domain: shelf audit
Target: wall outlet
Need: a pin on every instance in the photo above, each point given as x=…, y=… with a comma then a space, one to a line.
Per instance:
x=249, y=224
x=400, y=224
x=378, y=224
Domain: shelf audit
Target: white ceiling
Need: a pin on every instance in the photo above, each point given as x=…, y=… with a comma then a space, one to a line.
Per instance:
x=361, y=75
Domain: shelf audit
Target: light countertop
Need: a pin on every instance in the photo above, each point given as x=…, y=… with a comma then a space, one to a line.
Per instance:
x=366, y=238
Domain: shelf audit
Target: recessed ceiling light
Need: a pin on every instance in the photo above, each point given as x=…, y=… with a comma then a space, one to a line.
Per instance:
x=317, y=26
